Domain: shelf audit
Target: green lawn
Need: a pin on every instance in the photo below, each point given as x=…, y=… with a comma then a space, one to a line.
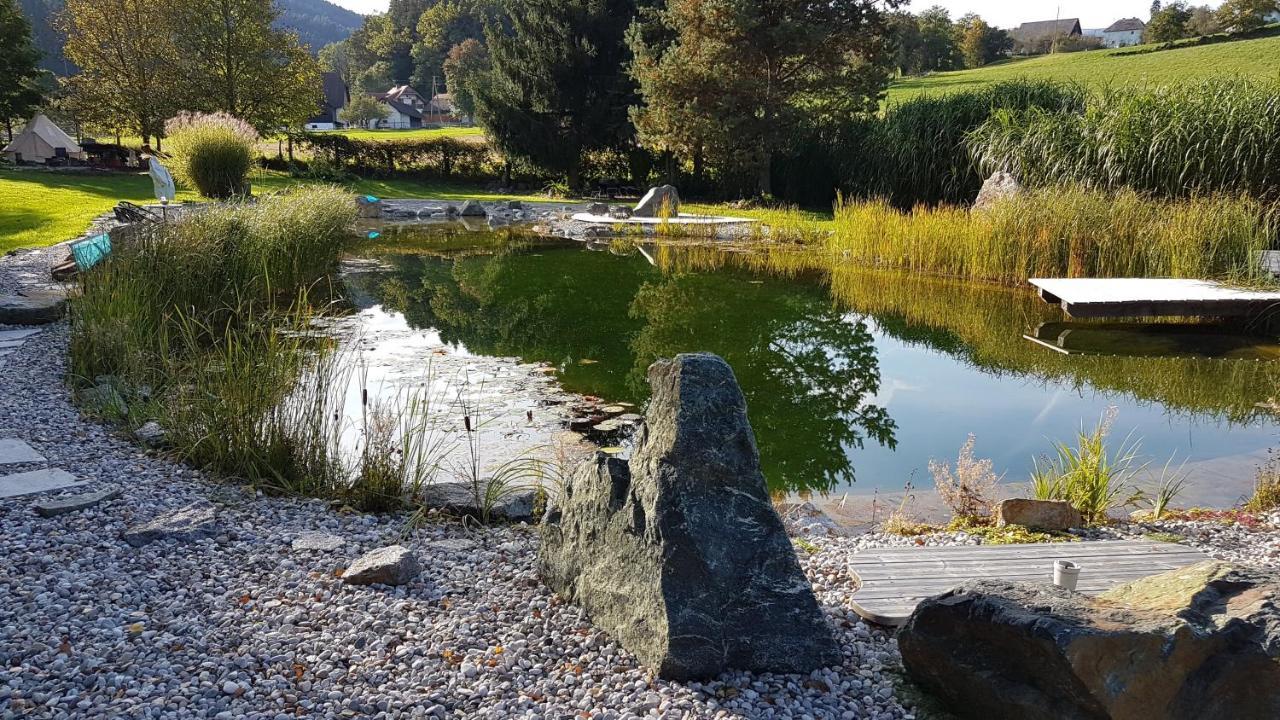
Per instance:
x=42, y=208
x=1099, y=68
x=419, y=134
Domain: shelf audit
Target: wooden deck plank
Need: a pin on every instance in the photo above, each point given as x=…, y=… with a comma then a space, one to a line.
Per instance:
x=894, y=580
x=1152, y=297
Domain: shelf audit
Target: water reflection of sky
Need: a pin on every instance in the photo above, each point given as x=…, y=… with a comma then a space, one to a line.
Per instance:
x=937, y=402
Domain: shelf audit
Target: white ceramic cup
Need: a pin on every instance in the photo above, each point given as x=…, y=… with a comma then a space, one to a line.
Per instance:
x=1066, y=574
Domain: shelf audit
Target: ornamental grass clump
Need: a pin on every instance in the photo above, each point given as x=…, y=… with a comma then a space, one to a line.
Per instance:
x=212, y=152
x=1092, y=476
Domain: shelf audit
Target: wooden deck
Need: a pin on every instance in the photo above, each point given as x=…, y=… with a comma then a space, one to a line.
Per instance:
x=1152, y=297
x=895, y=580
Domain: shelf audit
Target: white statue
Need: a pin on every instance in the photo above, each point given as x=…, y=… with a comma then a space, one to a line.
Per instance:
x=161, y=180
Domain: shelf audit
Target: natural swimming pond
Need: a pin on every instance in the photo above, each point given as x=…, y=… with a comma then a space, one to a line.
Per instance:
x=853, y=378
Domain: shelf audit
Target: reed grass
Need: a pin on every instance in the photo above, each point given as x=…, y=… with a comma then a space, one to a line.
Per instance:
x=1180, y=140
x=1092, y=476
x=1061, y=231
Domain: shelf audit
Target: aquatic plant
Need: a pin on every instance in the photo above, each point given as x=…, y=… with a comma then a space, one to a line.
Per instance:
x=970, y=490
x=1091, y=476
x=1266, y=486
x=1060, y=232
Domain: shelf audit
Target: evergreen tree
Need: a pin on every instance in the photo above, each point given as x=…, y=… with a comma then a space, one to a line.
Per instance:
x=557, y=87
x=736, y=79
x=19, y=74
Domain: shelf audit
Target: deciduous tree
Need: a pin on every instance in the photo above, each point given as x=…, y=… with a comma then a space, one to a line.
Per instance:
x=738, y=76
x=1244, y=15
x=466, y=65
x=980, y=43
x=20, y=90
x=128, y=62
x=233, y=60
x=362, y=111
x=1169, y=23
x=557, y=87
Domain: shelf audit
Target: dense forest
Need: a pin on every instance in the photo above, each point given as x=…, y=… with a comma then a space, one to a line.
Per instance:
x=317, y=23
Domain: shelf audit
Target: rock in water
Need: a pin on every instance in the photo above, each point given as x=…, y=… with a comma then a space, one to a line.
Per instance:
x=394, y=565
x=1055, y=515
x=471, y=208
x=658, y=198
x=1000, y=186
x=193, y=522
x=1201, y=642
x=679, y=553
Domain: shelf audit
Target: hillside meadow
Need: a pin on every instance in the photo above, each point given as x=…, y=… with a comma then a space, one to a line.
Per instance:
x=1098, y=69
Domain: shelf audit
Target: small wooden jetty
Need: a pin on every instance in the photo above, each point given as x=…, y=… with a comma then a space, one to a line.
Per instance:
x=895, y=580
x=1153, y=297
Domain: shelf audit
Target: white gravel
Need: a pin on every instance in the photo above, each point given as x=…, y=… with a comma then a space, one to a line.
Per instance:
x=243, y=626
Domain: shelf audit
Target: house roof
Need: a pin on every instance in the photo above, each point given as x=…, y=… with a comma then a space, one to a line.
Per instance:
x=402, y=108
x=1042, y=28
x=1126, y=25
x=335, y=91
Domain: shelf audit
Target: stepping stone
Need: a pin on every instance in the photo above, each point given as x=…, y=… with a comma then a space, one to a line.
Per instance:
x=15, y=335
x=37, y=481
x=34, y=308
x=193, y=522
x=75, y=503
x=14, y=451
x=323, y=542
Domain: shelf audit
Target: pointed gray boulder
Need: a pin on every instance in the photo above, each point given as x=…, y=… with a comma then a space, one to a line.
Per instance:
x=652, y=204
x=679, y=552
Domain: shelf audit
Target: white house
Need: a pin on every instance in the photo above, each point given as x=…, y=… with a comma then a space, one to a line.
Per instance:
x=1123, y=33
x=405, y=107
x=336, y=97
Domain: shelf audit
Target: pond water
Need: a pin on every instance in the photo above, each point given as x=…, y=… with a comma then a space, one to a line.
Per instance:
x=853, y=378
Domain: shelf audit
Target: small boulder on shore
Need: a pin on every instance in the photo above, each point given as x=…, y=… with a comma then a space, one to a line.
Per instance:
x=1052, y=515
x=1000, y=186
x=193, y=522
x=1197, y=643
x=393, y=565
x=656, y=200
x=471, y=208
x=679, y=552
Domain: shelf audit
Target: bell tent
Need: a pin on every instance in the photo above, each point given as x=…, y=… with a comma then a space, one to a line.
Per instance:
x=41, y=140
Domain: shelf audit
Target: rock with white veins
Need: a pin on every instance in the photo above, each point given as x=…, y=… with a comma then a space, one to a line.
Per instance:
x=394, y=565
x=679, y=553
x=193, y=522
x=74, y=503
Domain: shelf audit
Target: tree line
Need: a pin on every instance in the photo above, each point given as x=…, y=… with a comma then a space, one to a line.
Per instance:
x=1177, y=20
x=140, y=62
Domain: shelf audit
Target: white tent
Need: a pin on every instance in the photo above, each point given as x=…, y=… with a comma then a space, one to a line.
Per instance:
x=40, y=140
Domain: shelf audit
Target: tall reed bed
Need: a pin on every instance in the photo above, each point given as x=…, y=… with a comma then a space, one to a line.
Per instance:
x=206, y=323
x=1061, y=231
x=1220, y=135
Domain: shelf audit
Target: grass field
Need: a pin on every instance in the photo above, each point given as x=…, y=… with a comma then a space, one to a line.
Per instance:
x=420, y=134
x=1099, y=68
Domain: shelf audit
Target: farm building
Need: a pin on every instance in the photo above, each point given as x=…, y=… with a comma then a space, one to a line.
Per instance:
x=336, y=97
x=1123, y=33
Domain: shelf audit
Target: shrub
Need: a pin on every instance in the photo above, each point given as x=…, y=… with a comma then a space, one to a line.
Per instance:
x=212, y=153
x=1215, y=136
x=1061, y=232
x=969, y=491
x=444, y=157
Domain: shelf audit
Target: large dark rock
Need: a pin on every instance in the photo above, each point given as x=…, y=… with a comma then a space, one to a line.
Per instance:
x=1201, y=642
x=679, y=552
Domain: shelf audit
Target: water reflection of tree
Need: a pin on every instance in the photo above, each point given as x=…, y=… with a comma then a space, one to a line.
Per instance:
x=807, y=370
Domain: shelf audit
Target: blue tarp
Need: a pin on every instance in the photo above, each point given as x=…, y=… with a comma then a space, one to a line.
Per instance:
x=90, y=251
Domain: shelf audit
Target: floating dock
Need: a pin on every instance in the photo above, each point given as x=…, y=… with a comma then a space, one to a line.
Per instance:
x=1153, y=297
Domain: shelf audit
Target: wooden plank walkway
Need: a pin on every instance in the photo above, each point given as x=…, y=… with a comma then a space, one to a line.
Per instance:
x=1152, y=297
x=894, y=580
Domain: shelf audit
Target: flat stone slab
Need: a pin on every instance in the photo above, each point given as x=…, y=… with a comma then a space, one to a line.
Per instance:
x=75, y=503
x=193, y=522
x=894, y=580
x=37, y=481
x=678, y=220
x=320, y=541
x=34, y=308
x=394, y=565
x=14, y=452
x=17, y=335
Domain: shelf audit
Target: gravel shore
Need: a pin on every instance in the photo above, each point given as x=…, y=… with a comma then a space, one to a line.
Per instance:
x=242, y=625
